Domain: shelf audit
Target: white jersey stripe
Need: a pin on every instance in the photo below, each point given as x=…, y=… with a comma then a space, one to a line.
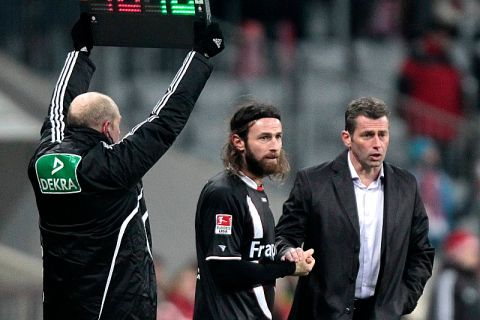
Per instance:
x=53, y=102
x=150, y=119
x=62, y=95
x=117, y=248
x=257, y=222
x=176, y=80
x=222, y=258
x=171, y=89
x=56, y=112
x=144, y=219
x=262, y=301
x=57, y=99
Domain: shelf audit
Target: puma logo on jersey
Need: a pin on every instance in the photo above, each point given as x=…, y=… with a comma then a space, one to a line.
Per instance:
x=218, y=42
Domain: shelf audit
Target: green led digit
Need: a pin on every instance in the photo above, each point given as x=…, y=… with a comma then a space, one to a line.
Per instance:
x=178, y=7
x=183, y=9
x=163, y=6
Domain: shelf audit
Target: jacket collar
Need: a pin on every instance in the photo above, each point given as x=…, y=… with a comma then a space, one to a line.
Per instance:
x=86, y=135
x=342, y=181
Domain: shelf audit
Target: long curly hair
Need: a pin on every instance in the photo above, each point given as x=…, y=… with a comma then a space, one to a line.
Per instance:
x=240, y=123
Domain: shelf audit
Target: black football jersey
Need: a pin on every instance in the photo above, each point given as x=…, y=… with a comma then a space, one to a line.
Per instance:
x=233, y=222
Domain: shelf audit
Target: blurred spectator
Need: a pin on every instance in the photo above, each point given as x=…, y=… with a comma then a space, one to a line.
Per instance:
x=385, y=18
x=476, y=64
x=262, y=23
x=416, y=16
x=471, y=208
x=159, y=264
x=456, y=295
x=180, y=296
x=360, y=15
x=435, y=186
x=431, y=90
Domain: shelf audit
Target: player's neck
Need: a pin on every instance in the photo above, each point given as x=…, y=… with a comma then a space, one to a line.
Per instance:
x=256, y=179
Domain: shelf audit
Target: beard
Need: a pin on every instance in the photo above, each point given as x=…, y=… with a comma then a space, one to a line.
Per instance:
x=262, y=167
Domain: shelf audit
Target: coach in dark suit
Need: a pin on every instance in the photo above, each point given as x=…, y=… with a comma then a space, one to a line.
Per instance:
x=368, y=226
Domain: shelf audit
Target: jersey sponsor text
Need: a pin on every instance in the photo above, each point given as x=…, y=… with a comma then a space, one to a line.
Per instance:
x=258, y=250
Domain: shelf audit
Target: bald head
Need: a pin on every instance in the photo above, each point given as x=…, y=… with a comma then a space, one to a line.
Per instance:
x=92, y=109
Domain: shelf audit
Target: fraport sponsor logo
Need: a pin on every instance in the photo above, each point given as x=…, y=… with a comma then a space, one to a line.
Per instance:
x=258, y=250
x=57, y=173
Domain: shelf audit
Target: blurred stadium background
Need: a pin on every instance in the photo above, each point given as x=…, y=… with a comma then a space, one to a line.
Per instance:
x=308, y=57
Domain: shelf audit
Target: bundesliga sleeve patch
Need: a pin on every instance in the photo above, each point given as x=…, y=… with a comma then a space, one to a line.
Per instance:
x=223, y=224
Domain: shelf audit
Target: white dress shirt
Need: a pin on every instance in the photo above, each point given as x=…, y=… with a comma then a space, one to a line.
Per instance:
x=370, y=216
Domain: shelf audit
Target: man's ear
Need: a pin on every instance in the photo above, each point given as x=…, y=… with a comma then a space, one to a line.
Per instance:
x=237, y=142
x=106, y=127
x=346, y=138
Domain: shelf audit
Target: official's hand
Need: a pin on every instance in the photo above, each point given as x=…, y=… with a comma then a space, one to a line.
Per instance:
x=82, y=34
x=303, y=267
x=208, y=39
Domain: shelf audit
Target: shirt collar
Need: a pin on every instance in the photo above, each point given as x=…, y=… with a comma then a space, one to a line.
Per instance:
x=354, y=173
x=248, y=181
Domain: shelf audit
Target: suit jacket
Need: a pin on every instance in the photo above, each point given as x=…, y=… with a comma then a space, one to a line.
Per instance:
x=321, y=213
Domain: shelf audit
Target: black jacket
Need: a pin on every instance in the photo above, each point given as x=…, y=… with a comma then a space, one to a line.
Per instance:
x=93, y=220
x=321, y=212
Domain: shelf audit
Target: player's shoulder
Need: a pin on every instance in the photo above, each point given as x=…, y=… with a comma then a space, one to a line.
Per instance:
x=223, y=185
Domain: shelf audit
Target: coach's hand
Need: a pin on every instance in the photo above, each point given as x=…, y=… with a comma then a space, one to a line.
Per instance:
x=208, y=39
x=82, y=34
x=304, y=266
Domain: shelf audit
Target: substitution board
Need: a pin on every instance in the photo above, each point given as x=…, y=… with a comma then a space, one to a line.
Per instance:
x=145, y=23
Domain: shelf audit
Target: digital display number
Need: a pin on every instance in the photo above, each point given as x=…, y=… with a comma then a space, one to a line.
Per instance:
x=145, y=23
x=173, y=7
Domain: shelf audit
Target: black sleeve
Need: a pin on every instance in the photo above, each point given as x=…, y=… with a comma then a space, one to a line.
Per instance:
x=290, y=229
x=127, y=161
x=420, y=257
x=74, y=80
x=240, y=274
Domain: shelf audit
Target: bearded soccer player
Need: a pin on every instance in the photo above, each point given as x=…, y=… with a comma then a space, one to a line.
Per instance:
x=235, y=228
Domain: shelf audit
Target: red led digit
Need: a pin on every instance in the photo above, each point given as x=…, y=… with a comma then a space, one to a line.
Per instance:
x=101, y=6
x=135, y=7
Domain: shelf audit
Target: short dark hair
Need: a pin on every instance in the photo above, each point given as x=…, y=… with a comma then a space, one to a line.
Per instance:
x=369, y=107
x=240, y=123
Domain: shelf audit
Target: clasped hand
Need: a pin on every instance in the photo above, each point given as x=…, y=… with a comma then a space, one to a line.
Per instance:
x=304, y=260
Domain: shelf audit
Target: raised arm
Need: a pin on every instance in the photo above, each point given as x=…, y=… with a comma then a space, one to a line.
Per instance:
x=74, y=79
x=143, y=146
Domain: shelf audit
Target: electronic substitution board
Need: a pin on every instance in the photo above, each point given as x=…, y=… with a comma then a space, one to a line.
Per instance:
x=145, y=23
